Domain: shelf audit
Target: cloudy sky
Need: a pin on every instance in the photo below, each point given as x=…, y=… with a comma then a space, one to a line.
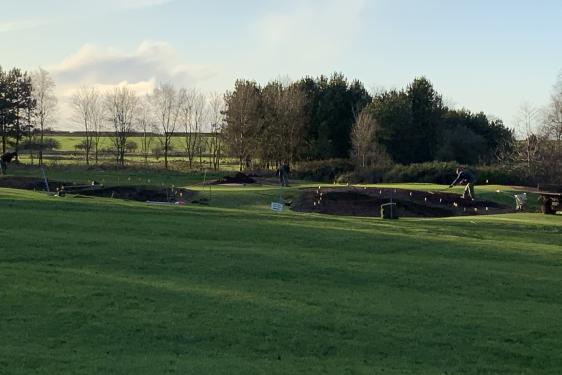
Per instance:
x=487, y=56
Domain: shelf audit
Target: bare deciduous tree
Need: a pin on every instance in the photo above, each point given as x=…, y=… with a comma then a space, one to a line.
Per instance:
x=165, y=102
x=528, y=130
x=97, y=120
x=216, y=120
x=292, y=121
x=283, y=123
x=366, y=150
x=45, y=103
x=88, y=111
x=120, y=106
x=146, y=126
x=242, y=120
x=551, y=131
x=193, y=113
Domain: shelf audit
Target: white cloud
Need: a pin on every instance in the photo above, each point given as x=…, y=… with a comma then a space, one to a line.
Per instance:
x=156, y=61
x=107, y=67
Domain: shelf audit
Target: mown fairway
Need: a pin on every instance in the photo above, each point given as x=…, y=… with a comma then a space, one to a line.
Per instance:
x=97, y=286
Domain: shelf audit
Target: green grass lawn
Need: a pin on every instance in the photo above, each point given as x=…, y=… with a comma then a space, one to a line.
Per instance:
x=67, y=154
x=100, y=286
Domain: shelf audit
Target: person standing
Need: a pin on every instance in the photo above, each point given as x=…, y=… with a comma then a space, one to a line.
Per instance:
x=4, y=160
x=283, y=173
x=465, y=176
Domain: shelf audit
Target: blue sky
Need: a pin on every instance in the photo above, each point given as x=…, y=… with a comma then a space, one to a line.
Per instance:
x=486, y=56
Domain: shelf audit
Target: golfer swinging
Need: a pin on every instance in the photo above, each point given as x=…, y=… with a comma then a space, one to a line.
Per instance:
x=4, y=160
x=467, y=177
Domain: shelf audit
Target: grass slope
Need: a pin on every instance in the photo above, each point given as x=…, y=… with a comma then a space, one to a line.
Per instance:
x=94, y=286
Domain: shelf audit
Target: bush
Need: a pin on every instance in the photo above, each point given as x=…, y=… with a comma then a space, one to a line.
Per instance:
x=322, y=170
x=363, y=175
x=431, y=172
x=438, y=173
x=504, y=175
x=35, y=145
x=131, y=146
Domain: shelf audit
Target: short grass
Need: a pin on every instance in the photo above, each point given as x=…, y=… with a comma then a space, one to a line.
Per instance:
x=99, y=286
x=71, y=156
x=69, y=142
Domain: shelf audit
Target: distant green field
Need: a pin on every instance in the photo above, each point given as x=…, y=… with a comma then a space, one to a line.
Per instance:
x=68, y=154
x=68, y=142
x=101, y=286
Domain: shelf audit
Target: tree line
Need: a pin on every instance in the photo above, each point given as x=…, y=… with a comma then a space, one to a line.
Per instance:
x=325, y=118
x=540, y=130
x=288, y=122
x=27, y=107
x=281, y=122
x=167, y=112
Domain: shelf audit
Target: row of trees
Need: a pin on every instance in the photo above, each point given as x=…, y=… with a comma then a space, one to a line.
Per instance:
x=287, y=122
x=540, y=149
x=283, y=122
x=413, y=125
x=326, y=118
x=27, y=107
x=167, y=111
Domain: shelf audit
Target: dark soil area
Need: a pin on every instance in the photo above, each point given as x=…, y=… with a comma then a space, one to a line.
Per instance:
x=27, y=183
x=409, y=203
x=137, y=193
x=129, y=192
x=239, y=179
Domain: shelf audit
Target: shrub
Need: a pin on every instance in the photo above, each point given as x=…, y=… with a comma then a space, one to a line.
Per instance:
x=504, y=175
x=322, y=170
x=431, y=172
x=131, y=146
x=371, y=175
x=343, y=171
x=440, y=173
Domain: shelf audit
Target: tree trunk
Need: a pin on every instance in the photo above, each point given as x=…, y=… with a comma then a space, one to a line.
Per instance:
x=41, y=146
x=166, y=146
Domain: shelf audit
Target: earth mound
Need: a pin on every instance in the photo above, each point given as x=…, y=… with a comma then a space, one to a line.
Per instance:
x=409, y=203
x=238, y=179
x=27, y=183
x=136, y=193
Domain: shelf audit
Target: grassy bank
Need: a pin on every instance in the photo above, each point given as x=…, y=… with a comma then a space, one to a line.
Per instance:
x=93, y=285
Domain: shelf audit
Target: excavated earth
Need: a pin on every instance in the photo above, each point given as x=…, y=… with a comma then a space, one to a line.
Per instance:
x=27, y=183
x=238, y=179
x=409, y=203
x=128, y=192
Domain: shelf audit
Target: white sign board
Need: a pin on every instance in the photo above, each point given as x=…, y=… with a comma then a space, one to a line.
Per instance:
x=277, y=207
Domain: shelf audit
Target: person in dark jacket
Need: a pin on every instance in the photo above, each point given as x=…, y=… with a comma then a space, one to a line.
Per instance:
x=5, y=159
x=465, y=176
x=283, y=173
